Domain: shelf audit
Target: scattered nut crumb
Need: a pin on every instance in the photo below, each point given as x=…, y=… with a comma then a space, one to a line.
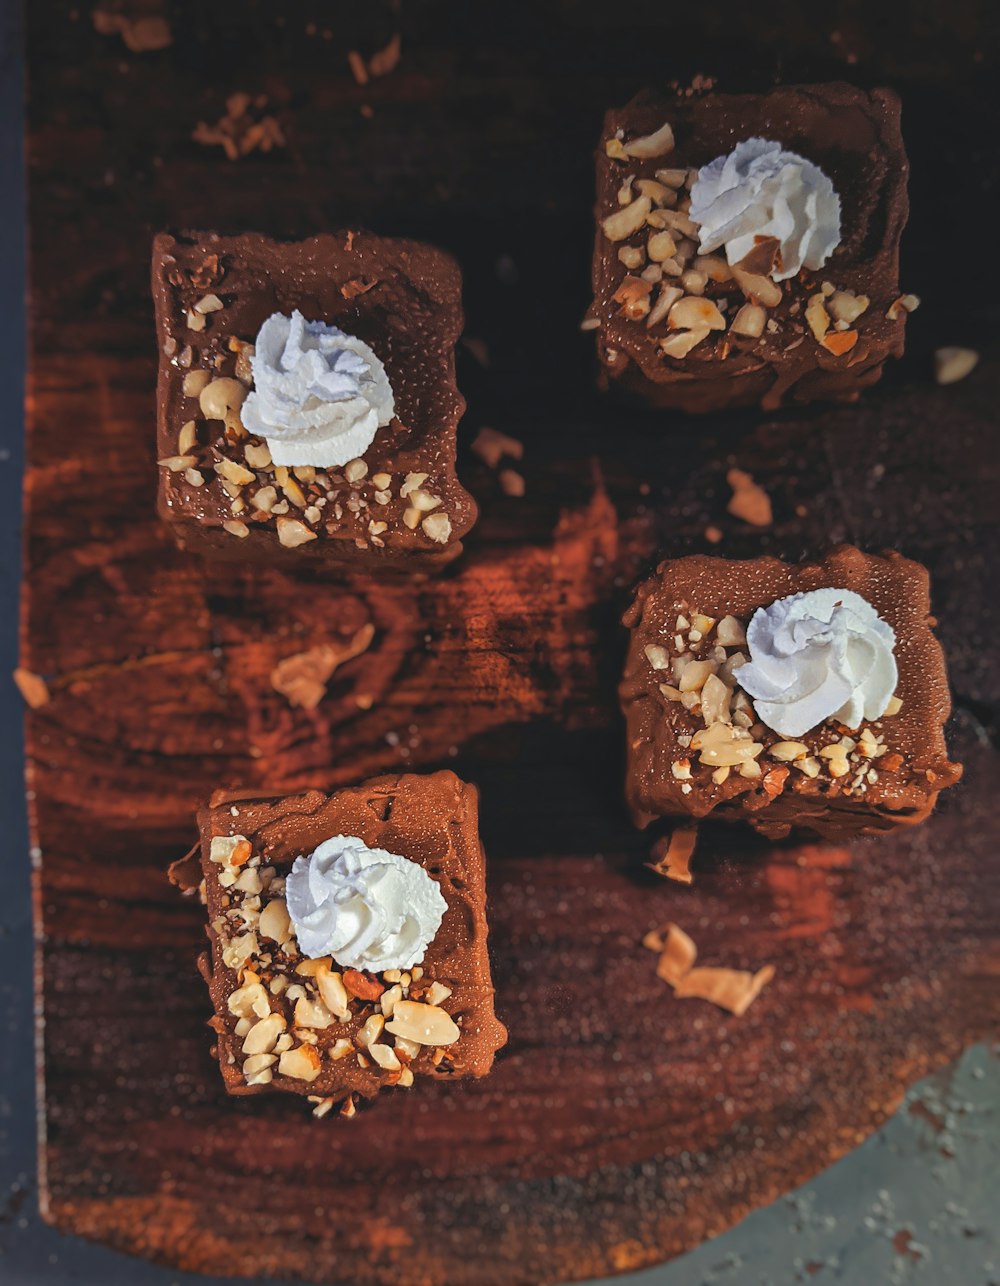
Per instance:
x=32, y=687
x=732, y=989
x=672, y=856
x=242, y=128
x=140, y=34
x=511, y=482
x=954, y=364
x=302, y=678
x=749, y=500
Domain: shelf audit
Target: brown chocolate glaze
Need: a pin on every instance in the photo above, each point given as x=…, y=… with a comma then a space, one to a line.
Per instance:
x=854, y=137
x=431, y=819
x=898, y=589
x=409, y=312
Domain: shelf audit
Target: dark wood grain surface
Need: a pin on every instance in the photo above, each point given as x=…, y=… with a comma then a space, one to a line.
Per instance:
x=621, y=1125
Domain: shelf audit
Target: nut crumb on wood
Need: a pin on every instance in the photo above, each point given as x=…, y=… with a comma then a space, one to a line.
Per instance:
x=954, y=364
x=32, y=687
x=749, y=500
x=731, y=989
x=140, y=35
x=491, y=446
x=672, y=856
x=511, y=482
x=243, y=128
x=302, y=678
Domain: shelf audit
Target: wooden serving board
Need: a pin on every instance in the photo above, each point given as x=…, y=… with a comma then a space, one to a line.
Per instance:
x=620, y=1126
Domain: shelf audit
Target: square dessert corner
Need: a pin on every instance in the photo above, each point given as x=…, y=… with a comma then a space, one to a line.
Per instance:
x=401, y=505
x=287, y=1023
x=833, y=781
x=800, y=340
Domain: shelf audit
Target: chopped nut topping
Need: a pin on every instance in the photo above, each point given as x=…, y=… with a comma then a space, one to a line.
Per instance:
x=681, y=342
x=693, y=313
x=292, y=533
x=236, y=528
x=724, y=744
x=633, y=296
x=839, y=342
x=425, y=1024
x=220, y=397
x=437, y=527
x=263, y=1035
x=623, y=223
x=749, y=321
x=355, y=470
x=302, y=1063
x=177, y=463
x=651, y=145
x=758, y=289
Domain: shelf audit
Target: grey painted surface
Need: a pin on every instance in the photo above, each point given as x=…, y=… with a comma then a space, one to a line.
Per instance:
x=918, y=1203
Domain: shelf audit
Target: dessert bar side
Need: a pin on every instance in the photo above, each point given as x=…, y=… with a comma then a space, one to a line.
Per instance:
x=700, y=329
x=297, y=1021
x=697, y=740
x=336, y=441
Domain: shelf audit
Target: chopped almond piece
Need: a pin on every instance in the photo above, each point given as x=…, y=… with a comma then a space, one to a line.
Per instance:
x=694, y=313
x=651, y=145
x=623, y=223
x=758, y=289
x=681, y=342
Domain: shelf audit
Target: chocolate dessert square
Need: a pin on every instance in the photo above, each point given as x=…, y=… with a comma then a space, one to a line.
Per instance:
x=353, y=396
x=303, y=1023
x=702, y=331
x=835, y=727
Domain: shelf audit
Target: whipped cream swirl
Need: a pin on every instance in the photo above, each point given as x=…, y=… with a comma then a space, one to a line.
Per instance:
x=319, y=396
x=366, y=908
x=760, y=190
x=822, y=655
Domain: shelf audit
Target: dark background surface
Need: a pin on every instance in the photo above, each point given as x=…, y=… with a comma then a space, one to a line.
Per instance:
x=940, y=52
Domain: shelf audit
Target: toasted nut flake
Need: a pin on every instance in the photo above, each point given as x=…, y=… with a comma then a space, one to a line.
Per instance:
x=658, y=657
x=810, y=766
x=274, y=921
x=412, y=482
x=715, y=701
x=670, y=692
x=437, y=527
x=361, y=986
x=257, y=457
x=264, y=499
x=679, y=222
x=905, y=303
x=385, y=1056
x=334, y=993
x=233, y=472
x=511, y=482
x=209, y=304
x=437, y=992
x=312, y=1014
x=657, y=192
x=749, y=501
x=626, y=221
x=220, y=397
x=301, y=1063
x=786, y=751
x=178, y=463
x=732, y=989
x=954, y=364
x=749, y=321
x=722, y=744
x=694, y=282
x=425, y=1024
x=720, y=775
x=750, y=768
x=677, y=952
x=423, y=500
x=294, y=492
x=291, y=532
x=371, y=1030
x=681, y=342
x=692, y=313
x=489, y=444
x=249, y=1000
x=665, y=300
x=694, y=674
x=194, y=477
x=236, y=528
x=730, y=632
x=714, y=268
x=839, y=342
x=388, y=999
x=894, y=706
x=758, y=288
x=257, y=1062
x=355, y=470
x=194, y=382
x=340, y=1049
x=263, y=1035
x=650, y=145
x=660, y=246
x=846, y=306
x=672, y=857
x=633, y=296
